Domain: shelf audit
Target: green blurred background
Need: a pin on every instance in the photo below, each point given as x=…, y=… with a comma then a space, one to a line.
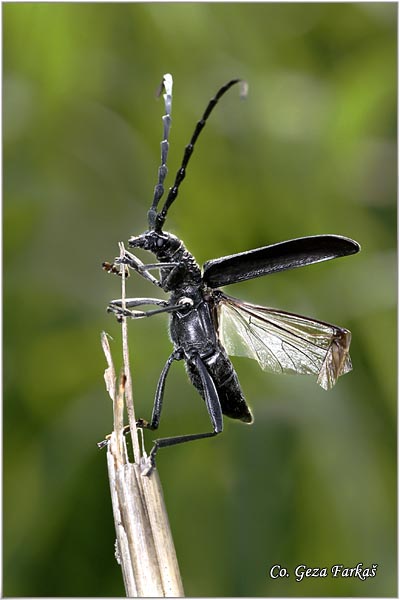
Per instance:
x=312, y=150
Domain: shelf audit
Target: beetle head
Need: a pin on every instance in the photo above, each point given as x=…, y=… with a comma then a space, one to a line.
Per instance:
x=161, y=243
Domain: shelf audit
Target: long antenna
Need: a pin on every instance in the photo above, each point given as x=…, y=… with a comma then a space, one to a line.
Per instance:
x=173, y=192
x=166, y=84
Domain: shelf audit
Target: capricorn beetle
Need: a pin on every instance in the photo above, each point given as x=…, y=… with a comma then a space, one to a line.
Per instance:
x=206, y=325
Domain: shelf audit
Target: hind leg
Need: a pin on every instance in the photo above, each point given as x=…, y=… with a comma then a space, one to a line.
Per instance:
x=213, y=407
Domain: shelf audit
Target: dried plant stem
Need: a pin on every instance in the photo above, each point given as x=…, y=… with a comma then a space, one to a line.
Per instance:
x=128, y=385
x=144, y=546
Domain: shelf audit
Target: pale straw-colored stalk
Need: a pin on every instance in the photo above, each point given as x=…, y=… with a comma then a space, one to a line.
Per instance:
x=144, y=544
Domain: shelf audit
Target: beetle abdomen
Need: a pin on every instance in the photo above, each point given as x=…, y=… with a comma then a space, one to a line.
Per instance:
x=233, y=403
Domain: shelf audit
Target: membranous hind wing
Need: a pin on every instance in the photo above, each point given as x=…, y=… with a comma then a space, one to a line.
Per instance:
x=283, y=342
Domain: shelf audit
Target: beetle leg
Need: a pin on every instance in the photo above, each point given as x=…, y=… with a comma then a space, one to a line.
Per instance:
x=131, y=261
x=158, y=400
x=158, y=265
x=131, y=302
x=115, y=307
x=213, y=408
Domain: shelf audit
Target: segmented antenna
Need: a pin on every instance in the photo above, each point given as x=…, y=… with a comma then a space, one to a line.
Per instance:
x=173, y=191
x=166, y=84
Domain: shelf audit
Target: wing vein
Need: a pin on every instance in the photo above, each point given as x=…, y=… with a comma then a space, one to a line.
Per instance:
x=284, y=342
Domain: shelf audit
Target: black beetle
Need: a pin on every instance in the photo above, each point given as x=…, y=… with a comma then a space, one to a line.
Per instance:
x=206, y=325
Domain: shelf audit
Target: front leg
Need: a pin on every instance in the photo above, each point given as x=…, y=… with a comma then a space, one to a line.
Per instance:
x=133, y=262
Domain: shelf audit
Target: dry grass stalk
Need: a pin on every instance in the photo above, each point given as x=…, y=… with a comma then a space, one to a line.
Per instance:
x=144, y=546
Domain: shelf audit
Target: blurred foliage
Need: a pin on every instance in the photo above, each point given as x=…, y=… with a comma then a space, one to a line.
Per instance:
x=312, y=150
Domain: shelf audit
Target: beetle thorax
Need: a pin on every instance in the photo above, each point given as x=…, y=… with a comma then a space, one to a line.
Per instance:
x=169, y=249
